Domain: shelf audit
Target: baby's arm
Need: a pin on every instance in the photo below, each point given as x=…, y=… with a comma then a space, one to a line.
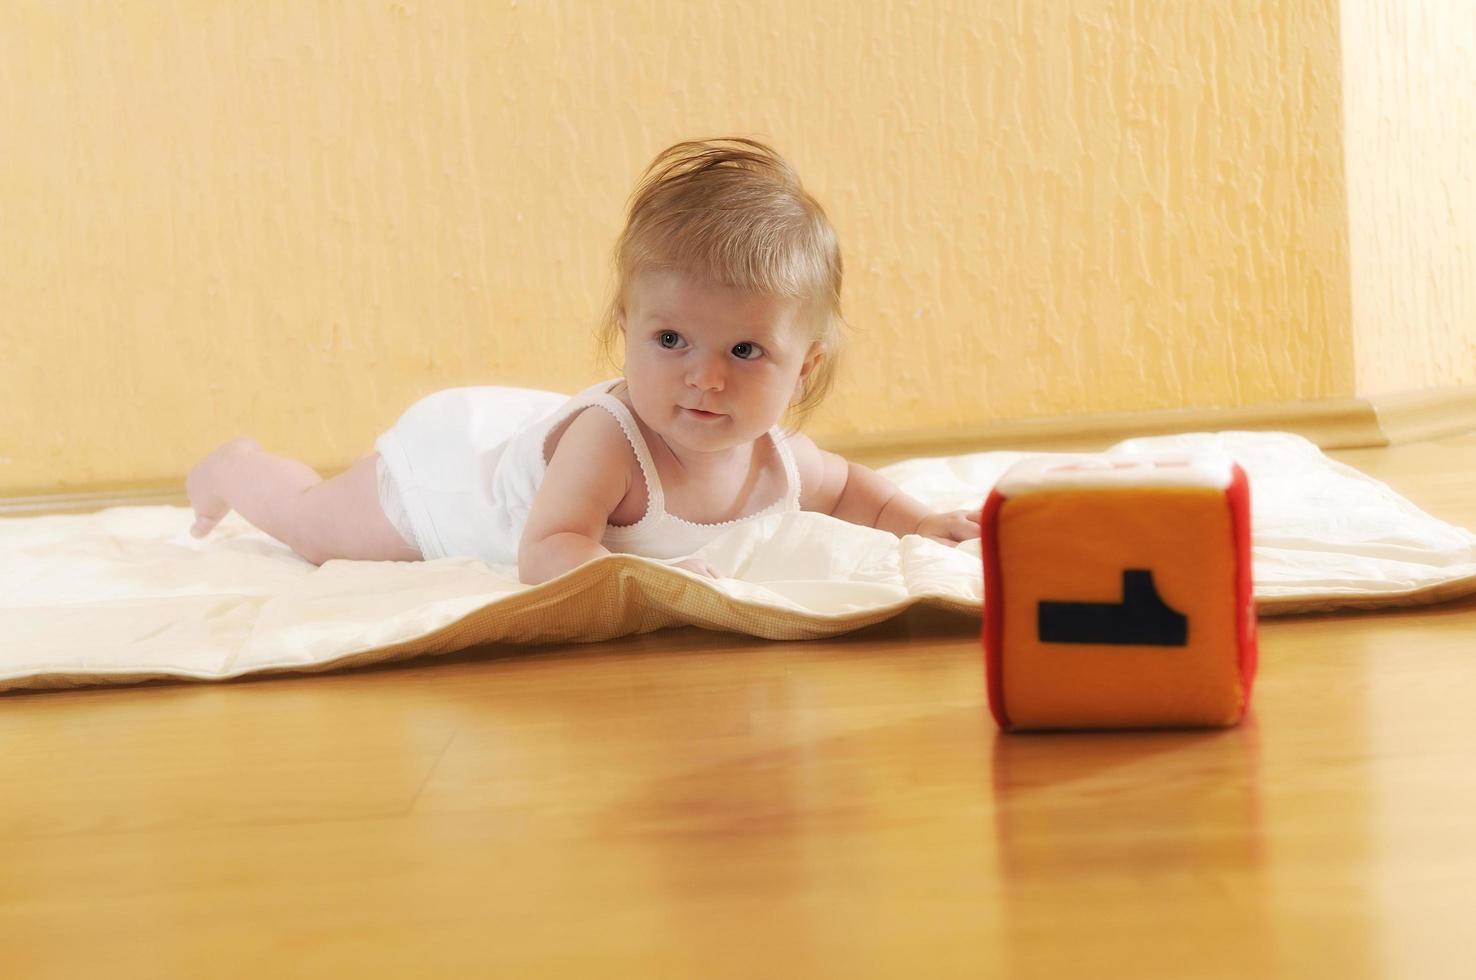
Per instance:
x=855, y=493
x=588, y=475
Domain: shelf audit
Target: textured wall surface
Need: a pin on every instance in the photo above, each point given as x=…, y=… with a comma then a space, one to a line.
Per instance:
x=1409, y=82
x=291, y=219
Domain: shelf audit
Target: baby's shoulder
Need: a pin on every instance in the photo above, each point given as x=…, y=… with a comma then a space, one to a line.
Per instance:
x=805, y=453
x=591, y=452
x=821, y=474
x=591, y=433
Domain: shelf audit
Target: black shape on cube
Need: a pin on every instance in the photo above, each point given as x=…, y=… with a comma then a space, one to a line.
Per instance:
x=1141, y=619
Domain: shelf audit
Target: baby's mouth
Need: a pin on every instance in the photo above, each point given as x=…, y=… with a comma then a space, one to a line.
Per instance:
x=702, y=414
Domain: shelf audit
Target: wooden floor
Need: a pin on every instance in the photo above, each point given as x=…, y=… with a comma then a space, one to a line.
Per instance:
x=698, y=805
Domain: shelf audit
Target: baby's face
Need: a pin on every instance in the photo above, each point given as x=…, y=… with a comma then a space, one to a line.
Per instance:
x=711, y=367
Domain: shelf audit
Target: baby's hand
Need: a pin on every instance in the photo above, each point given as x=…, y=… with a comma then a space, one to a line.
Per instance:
x=696, y=565
x=951, y=527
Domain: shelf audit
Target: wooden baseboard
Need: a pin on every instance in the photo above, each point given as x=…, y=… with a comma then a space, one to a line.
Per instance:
x=1340, y=423
x=164, y=493
x=1416, y=416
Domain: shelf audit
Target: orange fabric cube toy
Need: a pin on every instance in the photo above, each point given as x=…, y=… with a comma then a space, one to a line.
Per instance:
x=1117, y=592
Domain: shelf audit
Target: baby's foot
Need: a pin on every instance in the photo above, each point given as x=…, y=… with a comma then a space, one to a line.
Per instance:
x=203, y=485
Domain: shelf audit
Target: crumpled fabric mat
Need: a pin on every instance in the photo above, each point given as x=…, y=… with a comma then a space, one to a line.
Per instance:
x=125, y=594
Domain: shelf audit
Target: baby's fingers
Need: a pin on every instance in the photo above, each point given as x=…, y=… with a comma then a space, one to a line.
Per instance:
x=698, y=566
x=962, y=525
x=952, y=527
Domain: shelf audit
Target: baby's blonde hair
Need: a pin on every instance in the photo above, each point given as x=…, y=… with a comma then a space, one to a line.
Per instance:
x=731, y=212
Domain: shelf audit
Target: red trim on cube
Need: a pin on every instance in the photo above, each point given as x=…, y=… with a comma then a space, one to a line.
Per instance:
x=1238, y=497
x=993, y=628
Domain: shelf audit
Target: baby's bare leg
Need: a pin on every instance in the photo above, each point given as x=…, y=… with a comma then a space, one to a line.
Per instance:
x=319, y=519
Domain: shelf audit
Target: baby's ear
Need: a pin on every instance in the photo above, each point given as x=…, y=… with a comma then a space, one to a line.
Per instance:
x=812, y=359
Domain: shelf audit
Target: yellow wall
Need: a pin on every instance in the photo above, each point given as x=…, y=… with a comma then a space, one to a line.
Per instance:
x=1409, y=83
x=290, y=219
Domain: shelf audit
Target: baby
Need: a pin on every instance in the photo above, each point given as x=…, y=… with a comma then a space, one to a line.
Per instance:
x=727, y=306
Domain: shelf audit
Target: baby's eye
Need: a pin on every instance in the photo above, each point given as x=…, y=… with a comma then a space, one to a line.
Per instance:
x=669, y=339
x=746, y=351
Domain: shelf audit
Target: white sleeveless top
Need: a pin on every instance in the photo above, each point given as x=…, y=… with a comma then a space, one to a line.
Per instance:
x=467, y=462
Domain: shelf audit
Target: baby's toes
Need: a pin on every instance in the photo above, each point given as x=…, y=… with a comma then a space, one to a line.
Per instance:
x=202, y=486
x=209, y=507
x=203, y=526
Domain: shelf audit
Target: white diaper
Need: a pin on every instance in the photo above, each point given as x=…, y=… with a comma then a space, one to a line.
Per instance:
x=392, y=502
x=442, y=478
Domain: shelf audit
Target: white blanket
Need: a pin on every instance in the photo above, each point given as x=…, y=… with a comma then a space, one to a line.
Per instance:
x=126, y=594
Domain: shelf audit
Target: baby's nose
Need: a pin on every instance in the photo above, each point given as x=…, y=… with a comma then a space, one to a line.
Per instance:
x=708, y=374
